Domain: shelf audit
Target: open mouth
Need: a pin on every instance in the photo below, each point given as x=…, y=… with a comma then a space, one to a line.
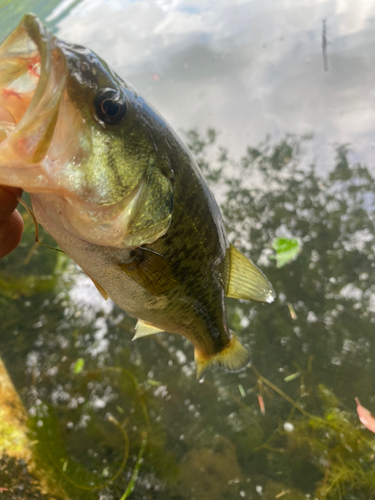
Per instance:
x=31, y=80
x=20, y=66
x=20, y=69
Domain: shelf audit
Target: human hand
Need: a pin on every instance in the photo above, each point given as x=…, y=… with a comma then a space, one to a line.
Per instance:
x=11, y=222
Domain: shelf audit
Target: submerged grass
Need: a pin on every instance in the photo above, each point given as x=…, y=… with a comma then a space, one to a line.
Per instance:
x=133, y=479
x=334, y=443
x=51, y=455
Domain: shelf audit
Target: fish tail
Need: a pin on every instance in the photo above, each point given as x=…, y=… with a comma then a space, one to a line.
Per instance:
x=233, y=358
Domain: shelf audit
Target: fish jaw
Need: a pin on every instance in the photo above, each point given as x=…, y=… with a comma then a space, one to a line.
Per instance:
x=102, y=191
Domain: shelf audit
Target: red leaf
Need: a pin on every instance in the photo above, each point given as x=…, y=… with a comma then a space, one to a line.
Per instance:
x=365, y=416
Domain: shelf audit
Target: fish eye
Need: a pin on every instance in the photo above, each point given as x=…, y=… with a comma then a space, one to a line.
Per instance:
x=110, y=106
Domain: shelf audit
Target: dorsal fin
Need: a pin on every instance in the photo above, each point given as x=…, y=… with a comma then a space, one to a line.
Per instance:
x=143, y=329
x=244, y=280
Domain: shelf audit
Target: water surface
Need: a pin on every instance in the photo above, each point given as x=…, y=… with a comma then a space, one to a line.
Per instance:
x=286, y=90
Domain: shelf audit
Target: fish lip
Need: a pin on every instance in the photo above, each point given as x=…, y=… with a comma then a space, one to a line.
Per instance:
x=42, y=38
x=29, y=141
x=36, y=31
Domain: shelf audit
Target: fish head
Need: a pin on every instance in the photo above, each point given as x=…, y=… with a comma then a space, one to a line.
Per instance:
x=92, y=152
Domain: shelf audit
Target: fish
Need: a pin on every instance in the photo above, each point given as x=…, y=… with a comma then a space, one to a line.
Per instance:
x=121, y=194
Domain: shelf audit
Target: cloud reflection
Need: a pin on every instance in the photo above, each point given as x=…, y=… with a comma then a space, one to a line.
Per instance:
x=248, y=68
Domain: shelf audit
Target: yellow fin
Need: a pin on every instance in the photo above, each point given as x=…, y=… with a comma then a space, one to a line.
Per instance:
x=245, y=280
x=100, y=289
x=232, y=358
x=143, y=329
x=150, y=270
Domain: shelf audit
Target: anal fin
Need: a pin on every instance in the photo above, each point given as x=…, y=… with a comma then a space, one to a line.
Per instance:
x=244, y=280
x=233, y=358
x=100, y=289
x=143, y=329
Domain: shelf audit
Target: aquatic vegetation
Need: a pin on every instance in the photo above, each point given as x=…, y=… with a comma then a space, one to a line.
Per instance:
x=100, y=474
x=332, y=444
x=131, y=485
x=21, y=475
x=51, y=456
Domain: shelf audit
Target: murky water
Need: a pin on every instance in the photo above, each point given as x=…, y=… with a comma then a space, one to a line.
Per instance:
x=288, y=89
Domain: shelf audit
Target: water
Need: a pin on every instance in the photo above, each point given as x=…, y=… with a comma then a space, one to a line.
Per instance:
x=295, y=116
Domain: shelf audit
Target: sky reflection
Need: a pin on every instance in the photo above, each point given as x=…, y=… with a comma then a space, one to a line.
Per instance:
x=247, y=68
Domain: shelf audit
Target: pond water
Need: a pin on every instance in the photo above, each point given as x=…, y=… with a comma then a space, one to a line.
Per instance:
x=276, y=101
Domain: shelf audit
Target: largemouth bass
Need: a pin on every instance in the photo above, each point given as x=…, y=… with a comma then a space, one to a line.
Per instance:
x=120, y=193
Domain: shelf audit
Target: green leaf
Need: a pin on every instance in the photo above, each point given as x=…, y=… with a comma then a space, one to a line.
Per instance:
x=286, y=250
x=79, y=364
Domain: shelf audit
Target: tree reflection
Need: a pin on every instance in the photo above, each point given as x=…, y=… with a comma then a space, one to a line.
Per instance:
x=331, y=283
x=329, y=339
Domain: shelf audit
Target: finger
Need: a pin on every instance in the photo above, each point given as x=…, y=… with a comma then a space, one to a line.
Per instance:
x=10, y=233
x=8, y=201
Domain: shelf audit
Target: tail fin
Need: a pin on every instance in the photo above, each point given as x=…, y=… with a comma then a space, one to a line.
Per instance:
x=233, y=358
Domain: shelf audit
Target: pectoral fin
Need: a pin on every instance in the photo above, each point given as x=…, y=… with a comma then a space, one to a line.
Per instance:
x=244, y=280
x=143, y=329
x=150, y=270
x=234, y=357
